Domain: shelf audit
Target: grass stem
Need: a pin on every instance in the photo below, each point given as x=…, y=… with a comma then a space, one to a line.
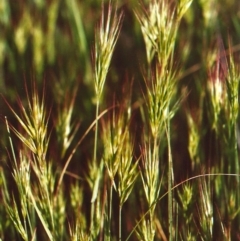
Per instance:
x=120, y=223
x=170, y=182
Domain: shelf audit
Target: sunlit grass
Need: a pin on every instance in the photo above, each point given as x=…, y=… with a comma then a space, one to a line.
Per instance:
x=98, y=152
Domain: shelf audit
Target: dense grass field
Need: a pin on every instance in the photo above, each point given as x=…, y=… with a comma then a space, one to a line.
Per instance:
x=119, y=120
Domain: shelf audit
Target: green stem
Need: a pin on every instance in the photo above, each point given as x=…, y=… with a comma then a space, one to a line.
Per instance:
x=11, y=144
x=236, y=165
x=110, y=212
x=236, y=151
x=96, y=133
x=94, y=161
x=120, y=223
x=170, y=182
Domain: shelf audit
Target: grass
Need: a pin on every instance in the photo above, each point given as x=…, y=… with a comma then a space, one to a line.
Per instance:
x=120, y=120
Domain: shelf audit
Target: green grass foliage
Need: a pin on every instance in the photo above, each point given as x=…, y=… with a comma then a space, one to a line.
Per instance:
x=120, y=120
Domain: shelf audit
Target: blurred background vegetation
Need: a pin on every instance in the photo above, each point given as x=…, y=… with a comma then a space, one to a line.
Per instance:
x=50, y=42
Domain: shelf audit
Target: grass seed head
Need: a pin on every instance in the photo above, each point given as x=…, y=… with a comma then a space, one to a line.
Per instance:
x=35, y=125
x=105, y=41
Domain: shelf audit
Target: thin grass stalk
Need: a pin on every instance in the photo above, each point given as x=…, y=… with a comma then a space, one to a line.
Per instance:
x=110, y=210
x=10, y=141
x=127, y=173
x=75, y=149
x=96, y=133
x=35, y=123
x=151, y=184
x=159, y=27
x=94, y=161
x=155, y=157
x=175, y=187
x=23, y=189
x=116, y=141
x=43, y=221
x=21, y=175
x=105, y=42
x=236, y=158
x=176, y=238
x=170, y=181
x=222, y=160
x=120, y=222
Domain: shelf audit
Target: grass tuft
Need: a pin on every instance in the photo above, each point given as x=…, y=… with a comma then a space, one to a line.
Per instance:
x=142, y=138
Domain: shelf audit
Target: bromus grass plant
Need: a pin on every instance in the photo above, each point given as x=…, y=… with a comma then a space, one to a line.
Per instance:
x=159, y=27
x=105, y=42
x=130, y=130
